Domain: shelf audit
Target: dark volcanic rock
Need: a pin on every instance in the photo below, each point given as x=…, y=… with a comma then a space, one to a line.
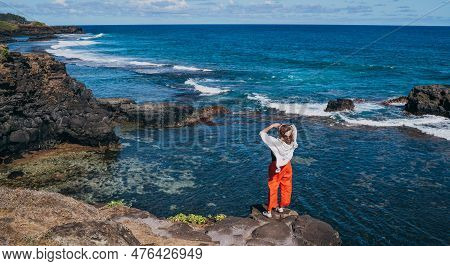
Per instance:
x=399, y=100
x=273, y=231
x=340, y=105
x=313, y=232
x=159, y=114
x=41, y=104
x=429, y=100
x=34, y=30
x=42, y=38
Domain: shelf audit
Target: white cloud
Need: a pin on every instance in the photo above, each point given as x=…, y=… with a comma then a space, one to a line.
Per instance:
x=160, y=4
x=60, y=2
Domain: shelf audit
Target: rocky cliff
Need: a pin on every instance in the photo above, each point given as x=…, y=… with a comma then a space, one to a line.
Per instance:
x=41, y=218
x=13, y=25
x=41, y=104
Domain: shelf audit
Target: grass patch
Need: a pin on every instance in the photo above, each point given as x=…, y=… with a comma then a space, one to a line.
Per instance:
x=38, y=24
x=6, y=26
x=196, y=219
x=116, y=203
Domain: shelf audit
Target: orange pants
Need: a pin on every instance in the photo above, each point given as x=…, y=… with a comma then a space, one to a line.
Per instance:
x=281, y=180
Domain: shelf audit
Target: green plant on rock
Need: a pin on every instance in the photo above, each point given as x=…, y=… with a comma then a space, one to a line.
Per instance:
x=116, y=203
x=196, y=219
x=4, y=53
x=219, y=217
x=189, y=219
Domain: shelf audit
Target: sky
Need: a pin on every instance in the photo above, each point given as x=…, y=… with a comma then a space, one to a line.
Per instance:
x=348, y=12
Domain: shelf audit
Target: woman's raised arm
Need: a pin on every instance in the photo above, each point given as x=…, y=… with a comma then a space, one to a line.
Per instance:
x=267, y=129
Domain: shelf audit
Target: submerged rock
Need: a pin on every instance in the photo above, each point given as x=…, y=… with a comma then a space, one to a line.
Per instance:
x=340, y=105
x=429, y=100
x=40, y=104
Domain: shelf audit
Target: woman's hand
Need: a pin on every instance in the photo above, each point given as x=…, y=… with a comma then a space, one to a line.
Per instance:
x=276, y=125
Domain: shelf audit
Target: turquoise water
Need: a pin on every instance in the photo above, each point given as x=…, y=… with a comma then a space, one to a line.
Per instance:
x=378, y=175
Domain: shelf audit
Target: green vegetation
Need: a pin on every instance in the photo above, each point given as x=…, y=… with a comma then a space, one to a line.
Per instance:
x=4, y=53
x=38, y=24
x=6, y=26
x=218, y=217
x=196, y=219
x=8, y=17
x=116, y=203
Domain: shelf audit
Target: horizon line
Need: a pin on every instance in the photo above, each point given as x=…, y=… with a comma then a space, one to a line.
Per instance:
x=249, y=24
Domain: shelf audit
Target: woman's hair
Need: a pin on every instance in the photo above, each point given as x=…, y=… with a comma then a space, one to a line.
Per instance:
x=283, y=130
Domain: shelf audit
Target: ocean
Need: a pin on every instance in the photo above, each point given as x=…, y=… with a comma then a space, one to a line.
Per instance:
x=376, y=174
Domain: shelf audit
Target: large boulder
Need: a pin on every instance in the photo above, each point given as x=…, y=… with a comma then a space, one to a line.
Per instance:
x=340, y=105
x=429, y=100
x=40, y=104
x=312, y=232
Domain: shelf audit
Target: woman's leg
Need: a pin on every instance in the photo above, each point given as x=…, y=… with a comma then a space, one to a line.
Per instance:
x=286, y=185
x=273, y=184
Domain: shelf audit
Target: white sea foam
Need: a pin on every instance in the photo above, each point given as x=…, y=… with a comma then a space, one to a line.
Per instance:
x=63, y=49
x=304, y=109
x=100, y=35
x=368, y=107
x=189, y=68
x=64, y=44
x=204, y=89
x=99, y=59
x=432, y=125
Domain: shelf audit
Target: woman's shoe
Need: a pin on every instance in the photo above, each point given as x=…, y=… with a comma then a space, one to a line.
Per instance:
x=267, y=214
x=279, y=210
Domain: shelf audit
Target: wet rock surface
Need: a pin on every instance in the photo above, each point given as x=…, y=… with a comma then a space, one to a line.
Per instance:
x=403, y=100
x=429, y=100
x=40, y=104
x=340, y=105
x=160, y=114
x=30, y=217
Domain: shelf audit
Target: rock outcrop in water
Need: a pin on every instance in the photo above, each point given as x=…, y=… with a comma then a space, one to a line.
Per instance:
x=40, y=104
x=160, y=114
x=340, y=105
x=42, y=218
x=429, y=100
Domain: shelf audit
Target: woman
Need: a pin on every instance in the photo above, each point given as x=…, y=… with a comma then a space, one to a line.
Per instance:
x=280, y=170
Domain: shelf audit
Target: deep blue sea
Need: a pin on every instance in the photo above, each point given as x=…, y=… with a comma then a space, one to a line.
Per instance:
x=378, y=175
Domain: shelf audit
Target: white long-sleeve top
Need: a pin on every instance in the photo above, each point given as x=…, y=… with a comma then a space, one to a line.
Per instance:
x=282, y=151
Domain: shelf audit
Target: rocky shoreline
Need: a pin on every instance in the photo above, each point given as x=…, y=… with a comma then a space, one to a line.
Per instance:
x=42, y=218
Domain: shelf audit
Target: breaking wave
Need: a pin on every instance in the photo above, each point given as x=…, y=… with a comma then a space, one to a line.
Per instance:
x=100, y=35
x=63, y=48
x=204, y=90
x=432, y=125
